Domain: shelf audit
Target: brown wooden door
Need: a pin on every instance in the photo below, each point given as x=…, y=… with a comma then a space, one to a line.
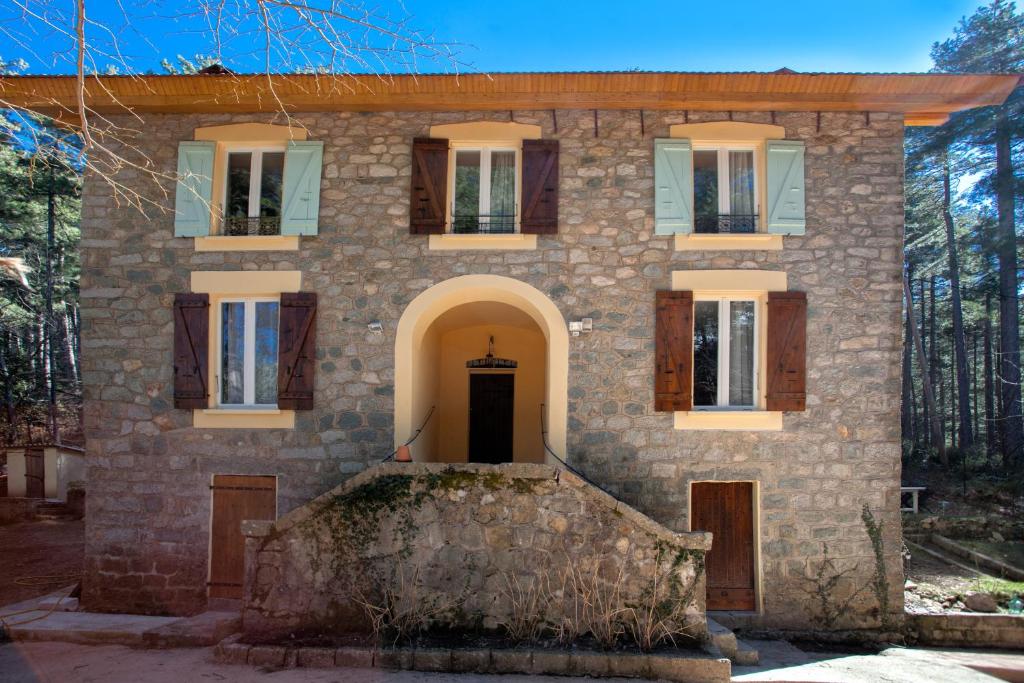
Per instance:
x=235, y=498
x=35, y=475
x=726, y=509
x=491, y=399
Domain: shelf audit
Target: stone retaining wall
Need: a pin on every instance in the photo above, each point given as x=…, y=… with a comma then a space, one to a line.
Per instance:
x=967, y=630
x=472, y=546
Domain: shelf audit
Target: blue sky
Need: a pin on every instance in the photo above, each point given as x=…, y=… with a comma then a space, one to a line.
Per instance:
x=536, y=35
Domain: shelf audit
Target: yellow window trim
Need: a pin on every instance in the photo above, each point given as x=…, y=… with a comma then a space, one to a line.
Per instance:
x=450, y=242
x=486, y=131
x=704, y=242
x=248, y=243
x=729, y=420
x=753, y=284
x=247, y=282
x=731, y=281
x=225, y=418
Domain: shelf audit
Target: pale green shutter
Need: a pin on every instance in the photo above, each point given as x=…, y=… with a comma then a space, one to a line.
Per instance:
x=194, y=189
x=302, y=164
x=785, y=180
x=673, y=186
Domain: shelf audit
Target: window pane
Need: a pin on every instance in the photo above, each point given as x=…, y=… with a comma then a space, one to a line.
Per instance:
x=741, y=183
x=232, y=354
x=266, y=352
x=239, y=170
x=705, y=353
x=467, y=191
x=705, y=182
x=741, y=353
x=270, y=184
x=503, y=191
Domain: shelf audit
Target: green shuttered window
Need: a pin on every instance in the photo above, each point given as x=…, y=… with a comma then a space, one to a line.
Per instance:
x=785, y=179
x=302, y=164
x=673, y=186
x=194, y=189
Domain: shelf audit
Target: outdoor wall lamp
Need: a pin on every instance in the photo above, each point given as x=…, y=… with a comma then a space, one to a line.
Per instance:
x=376, y=327
x=578, y=326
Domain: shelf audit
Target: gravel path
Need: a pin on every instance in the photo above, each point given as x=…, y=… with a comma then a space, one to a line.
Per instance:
x=43, y=548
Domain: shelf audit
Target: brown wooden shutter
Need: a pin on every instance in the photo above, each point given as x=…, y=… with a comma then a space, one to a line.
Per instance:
x=673, y=350
x=191, y=350
x=429, y=186
x=787, y=351
x=540, y=187
x=296, y=355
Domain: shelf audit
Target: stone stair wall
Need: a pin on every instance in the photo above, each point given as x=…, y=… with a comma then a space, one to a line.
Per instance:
x=470, y=545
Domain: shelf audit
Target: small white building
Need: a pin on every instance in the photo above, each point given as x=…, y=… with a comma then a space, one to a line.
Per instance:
x=43, y=470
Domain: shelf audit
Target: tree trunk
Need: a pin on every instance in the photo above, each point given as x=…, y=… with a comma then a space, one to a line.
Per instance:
x=933, y=362
x=69, y=343
x=963, y=397
x=991, y=443
x=929, y=396
x=51, y=366
x=907, y=414
x=925, y=432
x=11, y=427
x=1009, y=315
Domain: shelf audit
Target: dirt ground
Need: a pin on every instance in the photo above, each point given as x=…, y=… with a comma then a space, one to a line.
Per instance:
x=45, y=548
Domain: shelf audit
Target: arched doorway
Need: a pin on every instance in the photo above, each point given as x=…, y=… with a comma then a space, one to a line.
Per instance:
x=440, y=360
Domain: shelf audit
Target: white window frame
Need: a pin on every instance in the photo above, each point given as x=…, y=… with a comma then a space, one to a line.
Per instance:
x=724, y=339
x=255, y=175
x=484, y=208
x=723, y=149
x=248, y=350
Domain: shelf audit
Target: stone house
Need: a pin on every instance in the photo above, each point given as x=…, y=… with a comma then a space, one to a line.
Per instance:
x=685, y=286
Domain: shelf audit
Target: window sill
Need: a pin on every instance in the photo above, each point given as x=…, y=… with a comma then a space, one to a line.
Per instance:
x=709, y=242
x=248, y=243
x=478, y=242
x=729, y=420
x=243, y=418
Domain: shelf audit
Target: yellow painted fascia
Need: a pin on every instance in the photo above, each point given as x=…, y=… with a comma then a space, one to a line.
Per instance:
x=248, y=282
x=482, y=242
x=486, y=131
x=248, y=243
x=712, y=281
x=226, y=418
x=752, y=242
x=254, y=133
x=729, y=420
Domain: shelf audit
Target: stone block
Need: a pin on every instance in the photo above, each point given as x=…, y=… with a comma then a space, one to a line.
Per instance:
x=267, y=655
x=398, y=659
x=471, y=661
x=432, y=659
x=315, y=658
x=511, y=661
x=356, y=657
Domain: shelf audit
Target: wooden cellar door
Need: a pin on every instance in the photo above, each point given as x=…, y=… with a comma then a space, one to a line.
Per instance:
x=236, y=498
x=726, y=509
x=491, y=414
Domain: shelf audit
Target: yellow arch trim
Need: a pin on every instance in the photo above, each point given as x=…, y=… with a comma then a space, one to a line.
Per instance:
x=425, y=309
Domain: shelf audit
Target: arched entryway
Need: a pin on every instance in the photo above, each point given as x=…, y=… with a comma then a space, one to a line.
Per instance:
x=441, y=360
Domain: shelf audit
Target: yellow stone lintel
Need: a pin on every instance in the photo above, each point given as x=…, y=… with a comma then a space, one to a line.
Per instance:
x=482, y=242
x=248, y=243
x=755, y=242
x=730, y=420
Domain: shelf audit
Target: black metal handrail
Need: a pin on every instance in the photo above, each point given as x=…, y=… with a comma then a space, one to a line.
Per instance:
x=240, y=226
x=490, y=224
x=430, y=413
x=726, y=223
x=578, y=473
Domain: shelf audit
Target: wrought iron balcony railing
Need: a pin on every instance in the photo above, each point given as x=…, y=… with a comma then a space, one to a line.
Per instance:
x=494, y=224
x=238, y=226
x=726, y=223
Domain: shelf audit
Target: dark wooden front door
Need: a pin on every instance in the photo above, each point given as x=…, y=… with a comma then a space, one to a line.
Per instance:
x=235, y=498
x=726, y=509
x=35, y=475
x=490, y=417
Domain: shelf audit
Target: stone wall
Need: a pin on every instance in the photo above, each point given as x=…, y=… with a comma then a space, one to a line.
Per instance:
x=467, y=547
x=967, y=630
x=149, y=503
x=18, y=509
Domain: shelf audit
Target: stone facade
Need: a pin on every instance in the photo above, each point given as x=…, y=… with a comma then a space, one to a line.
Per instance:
x=149, y=503
x=471, y=546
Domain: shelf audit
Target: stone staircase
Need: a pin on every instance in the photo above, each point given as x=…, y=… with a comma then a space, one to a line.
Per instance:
x=738, y=652
x=53, y=509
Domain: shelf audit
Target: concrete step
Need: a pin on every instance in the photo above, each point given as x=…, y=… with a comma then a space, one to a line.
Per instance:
x=88, y=628
x=723, y=638
x=746, y=655
x=738, y=652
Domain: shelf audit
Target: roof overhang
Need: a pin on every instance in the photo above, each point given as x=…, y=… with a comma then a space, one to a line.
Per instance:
x=924, y=99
